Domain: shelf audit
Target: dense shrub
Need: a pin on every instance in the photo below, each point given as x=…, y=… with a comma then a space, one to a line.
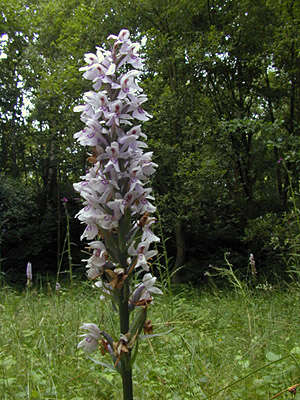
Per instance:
x=29, y=230
x=274, y=239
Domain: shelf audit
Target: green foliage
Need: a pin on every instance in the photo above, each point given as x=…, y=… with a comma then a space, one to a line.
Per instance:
x=275, y=240
x=28, y=232
x=18, y=211
x=223, y=84
x=222, y=346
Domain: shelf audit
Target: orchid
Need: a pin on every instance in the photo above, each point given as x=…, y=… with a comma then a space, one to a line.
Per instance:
x=143, y=290
x=117, y=201
x=142, y=253
x=90, y=342
x=29, y=274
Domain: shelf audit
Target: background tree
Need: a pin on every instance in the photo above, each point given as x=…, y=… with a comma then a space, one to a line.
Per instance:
x=223, y=84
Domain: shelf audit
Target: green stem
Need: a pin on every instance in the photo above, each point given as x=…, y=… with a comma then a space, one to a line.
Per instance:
x=67, y=243
x=126, y=373
x=126, y=368
x=69, y=248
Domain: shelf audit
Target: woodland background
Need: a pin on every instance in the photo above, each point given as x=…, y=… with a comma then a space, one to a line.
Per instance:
x=223, y=81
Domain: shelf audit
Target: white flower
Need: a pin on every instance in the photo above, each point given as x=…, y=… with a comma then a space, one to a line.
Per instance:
x=90, y=232
x=115, y=187
x=148, y=235
x=91, y=339
x=29, y=271
x=142, y=253
x=143, y=290
x=149, y=282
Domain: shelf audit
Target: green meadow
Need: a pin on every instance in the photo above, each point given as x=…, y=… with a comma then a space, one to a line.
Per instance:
x=219, y=344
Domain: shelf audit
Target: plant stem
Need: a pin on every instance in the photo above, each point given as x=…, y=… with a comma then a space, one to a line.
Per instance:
x=126, y=373
x=69, y=247
x=126, y=368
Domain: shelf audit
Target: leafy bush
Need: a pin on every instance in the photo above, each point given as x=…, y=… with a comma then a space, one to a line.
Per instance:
x=27, y=233
x=274, y=239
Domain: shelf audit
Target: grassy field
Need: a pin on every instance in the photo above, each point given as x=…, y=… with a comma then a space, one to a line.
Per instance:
x=224, y=345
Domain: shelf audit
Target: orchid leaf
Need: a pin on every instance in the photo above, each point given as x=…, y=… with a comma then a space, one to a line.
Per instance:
x=109, y=366
x=143, y=337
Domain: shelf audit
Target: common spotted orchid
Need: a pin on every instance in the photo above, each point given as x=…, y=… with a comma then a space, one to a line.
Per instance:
x=116, y=197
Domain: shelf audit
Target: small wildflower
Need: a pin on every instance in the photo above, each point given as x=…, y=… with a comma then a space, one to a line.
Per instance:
x=29, y=274
x=142, y=292
x=91, y=339
x=252, y=264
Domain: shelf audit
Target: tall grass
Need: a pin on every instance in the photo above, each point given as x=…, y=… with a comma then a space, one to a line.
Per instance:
x=224, y=345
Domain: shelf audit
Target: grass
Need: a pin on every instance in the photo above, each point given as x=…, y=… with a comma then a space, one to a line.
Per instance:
x=224, y=345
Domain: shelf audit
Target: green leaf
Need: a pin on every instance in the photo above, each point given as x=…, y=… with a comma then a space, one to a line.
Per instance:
x=109, y=366
x=272, y=356
x=295, y=350
x=7, y=381
x=143, y=337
